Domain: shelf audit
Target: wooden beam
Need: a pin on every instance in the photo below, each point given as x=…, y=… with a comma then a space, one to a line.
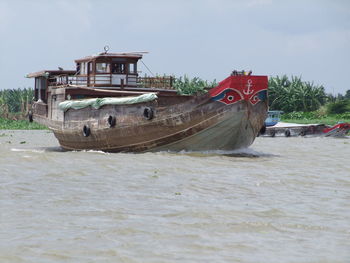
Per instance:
x=112, y=91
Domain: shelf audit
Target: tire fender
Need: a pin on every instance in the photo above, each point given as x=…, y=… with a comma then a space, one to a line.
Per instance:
x=86, y=131
x=148, y=113
x=111, y=121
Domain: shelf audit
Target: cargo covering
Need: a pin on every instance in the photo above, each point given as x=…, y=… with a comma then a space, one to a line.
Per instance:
x=99, y=102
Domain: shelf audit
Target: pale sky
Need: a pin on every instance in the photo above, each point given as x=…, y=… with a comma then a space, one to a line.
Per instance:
x=204, y=38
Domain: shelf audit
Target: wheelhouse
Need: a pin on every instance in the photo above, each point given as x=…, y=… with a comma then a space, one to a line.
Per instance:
x=273, y=117
x=107, y=70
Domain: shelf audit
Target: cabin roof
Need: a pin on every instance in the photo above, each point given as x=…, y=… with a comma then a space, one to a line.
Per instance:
x=48, y=73
x=111, y=55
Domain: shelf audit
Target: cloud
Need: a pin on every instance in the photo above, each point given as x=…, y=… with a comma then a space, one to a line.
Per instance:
x=78, y=13
x=5, y=16
x=288, y=18
x=318, y=42
x=23, y=16
x=258, y=3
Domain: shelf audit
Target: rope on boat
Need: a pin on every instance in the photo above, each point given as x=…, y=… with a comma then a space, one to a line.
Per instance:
x=147, y=67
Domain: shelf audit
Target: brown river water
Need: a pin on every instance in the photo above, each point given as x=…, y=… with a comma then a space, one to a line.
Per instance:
x=281, y=200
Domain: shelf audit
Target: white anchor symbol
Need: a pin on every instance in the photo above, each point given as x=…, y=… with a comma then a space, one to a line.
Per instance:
x=247, y=91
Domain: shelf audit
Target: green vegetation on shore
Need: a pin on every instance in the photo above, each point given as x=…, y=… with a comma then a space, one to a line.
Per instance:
x=294, y=94
x=314, y=118
x=15, y=101
x=14, y=106
x=187, y=86
x=302, y=102
x=8, y=124
x=305, y=103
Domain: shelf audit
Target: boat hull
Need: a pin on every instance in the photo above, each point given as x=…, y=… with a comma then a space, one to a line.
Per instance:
x=191, y=126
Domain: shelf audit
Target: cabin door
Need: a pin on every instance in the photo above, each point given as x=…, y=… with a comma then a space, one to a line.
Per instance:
x=117, y=79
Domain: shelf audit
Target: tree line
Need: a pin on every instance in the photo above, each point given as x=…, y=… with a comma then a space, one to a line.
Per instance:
x=15, y=103
x=294, y=95
x=286, y=94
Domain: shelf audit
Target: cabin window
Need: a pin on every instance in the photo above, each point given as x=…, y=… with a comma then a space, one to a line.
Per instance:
x=89, y=67
x=78, y=68
x=118, y=68
x=40, y=88
x=132, y=68
x=102, y=68
x=83, y=68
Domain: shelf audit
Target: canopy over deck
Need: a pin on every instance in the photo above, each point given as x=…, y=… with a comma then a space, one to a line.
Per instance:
x=48, y=73
x=131, y=55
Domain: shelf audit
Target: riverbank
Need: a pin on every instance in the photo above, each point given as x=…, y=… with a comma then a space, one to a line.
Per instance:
x=8, y=124
x=326, y=121
x=310, y=118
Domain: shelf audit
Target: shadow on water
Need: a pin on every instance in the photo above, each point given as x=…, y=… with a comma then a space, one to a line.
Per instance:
x=240, y=153
x=54, y=149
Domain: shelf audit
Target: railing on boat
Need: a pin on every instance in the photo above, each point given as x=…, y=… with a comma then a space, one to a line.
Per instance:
x=156, y=82
x=114, y=80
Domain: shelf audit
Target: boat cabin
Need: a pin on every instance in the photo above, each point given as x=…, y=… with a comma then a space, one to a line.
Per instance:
x=273, y=117
x=101, y=71
x=44, y=79
x=107, y=70
x=101, y=75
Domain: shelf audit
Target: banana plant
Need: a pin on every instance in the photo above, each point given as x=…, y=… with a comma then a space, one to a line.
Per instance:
x=15, y=101
x=295, y=94
x=186, y=86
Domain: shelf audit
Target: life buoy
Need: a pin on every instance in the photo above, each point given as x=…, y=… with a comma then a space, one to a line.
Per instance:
x=86, y=130
x=112, y=121
x=148, y=113
x=287, y=133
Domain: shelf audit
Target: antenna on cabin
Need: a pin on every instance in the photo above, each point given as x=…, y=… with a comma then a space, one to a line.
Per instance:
x=106, y=48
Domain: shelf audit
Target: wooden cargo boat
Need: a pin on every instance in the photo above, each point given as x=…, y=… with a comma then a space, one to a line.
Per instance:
x=105, y=105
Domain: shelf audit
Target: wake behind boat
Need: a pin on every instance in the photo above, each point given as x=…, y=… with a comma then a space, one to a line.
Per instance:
x=105, y=105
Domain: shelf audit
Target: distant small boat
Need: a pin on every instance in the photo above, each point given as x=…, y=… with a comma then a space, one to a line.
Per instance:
x=294, y=129
x=273, y=117
x=338, y=130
